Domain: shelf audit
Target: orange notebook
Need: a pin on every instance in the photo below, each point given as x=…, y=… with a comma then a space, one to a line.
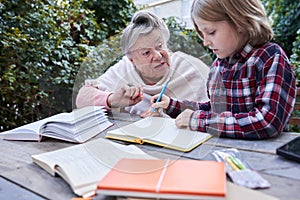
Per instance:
x=172, y=179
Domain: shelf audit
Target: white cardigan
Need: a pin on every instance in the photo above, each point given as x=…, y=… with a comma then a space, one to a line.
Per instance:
x=188, y=82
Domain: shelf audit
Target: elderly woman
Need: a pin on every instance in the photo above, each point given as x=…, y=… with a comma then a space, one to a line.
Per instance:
x=142, y=73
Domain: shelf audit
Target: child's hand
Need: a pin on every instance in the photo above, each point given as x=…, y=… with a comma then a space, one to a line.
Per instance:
x=163, y=103
x=150, y=112
x=183, y=119
x=156, y=108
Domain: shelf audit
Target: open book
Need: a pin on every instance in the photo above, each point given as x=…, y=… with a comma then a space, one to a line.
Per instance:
x=83, y=166
x=159, y=131
x=77, y=126
x=171, y=179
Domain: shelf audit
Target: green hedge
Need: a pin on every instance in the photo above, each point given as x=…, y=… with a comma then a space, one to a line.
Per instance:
x=42, y=45
x=285, y=15
x=47, y=49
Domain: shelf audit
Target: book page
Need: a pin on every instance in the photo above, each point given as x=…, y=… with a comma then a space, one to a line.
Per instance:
x=161, y=131
x=84, y=165
x=26, y=132
x=77, y=126
x=32, y=130
x=73, y=133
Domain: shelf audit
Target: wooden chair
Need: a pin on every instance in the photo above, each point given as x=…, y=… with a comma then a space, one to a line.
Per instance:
x=295, y=118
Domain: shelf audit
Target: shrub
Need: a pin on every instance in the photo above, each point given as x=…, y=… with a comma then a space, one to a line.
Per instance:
x=112, y=15
x=295, y=58
x=284, y=15
x=42, y=44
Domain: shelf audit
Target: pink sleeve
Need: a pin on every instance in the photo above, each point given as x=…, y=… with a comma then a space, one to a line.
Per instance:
x=91, y=96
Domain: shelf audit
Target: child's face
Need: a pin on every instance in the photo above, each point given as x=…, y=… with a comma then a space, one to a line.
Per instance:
x=220, y=37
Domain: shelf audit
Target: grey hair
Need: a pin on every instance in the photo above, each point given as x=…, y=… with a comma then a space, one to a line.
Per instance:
x=142, y=23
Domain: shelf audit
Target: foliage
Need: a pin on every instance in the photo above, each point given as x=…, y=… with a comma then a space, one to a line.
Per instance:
x=295, y=58
x=47, y=47
x=285, y=15
x=42, y=44
x=112, y=15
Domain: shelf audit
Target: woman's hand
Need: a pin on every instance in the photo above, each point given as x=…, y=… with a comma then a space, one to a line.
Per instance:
x=183, y=120
x=125, y=96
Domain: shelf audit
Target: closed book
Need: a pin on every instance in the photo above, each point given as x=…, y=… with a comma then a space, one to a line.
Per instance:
x=171, y=179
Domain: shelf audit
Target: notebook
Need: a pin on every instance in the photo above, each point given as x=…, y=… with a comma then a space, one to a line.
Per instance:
x=159, y=131
x=172, y=179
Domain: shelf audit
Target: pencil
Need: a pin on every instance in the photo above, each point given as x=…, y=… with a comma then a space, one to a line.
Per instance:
x=237, y=162
x=232, y=165
x=162, y=92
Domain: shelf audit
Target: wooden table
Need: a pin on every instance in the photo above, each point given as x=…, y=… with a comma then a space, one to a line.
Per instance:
x=22, y=179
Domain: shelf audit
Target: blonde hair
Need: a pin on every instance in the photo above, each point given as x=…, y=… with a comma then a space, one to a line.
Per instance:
x=142, y=23
x=247, y=15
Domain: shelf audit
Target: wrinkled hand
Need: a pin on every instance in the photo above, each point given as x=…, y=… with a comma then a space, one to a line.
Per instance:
x=156, y=108
x=183, y=119
x=125, y=96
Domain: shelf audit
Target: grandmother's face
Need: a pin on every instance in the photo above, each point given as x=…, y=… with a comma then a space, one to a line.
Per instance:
x=150, y=57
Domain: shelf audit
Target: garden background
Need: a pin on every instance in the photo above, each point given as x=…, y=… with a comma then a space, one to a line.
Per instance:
x=46, y=44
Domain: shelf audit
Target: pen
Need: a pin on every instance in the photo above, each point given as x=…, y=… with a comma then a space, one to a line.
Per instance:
x=232, y=165
x=161, y=93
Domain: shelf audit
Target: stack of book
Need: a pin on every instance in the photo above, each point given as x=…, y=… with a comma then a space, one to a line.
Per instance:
x=77, y=126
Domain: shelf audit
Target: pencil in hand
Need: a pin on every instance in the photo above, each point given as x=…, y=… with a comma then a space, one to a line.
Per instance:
x=161, y=93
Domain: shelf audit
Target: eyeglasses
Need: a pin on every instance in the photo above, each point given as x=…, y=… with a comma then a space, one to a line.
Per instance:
x=146, y=52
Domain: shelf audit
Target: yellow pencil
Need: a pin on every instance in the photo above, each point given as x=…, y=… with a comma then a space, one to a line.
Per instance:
x=232, y=165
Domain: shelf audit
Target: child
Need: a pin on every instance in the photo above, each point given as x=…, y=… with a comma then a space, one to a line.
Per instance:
x=256, y=77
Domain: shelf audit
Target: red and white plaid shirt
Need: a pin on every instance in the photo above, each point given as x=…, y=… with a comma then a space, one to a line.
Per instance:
x=252, y=95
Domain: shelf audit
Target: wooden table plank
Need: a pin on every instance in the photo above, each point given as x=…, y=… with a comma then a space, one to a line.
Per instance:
x=264, y=146
x=16, y=165
x=11, y=190
x=284, y=188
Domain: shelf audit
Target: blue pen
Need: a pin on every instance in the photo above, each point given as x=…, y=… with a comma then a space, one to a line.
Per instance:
x=161, y=93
